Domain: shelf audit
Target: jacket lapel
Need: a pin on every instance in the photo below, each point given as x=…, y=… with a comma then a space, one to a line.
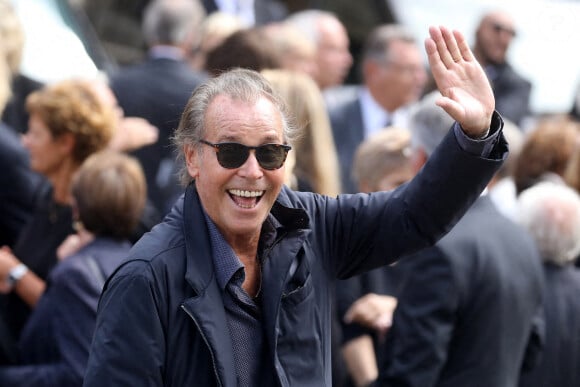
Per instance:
x=281, y=264
x=206, y=309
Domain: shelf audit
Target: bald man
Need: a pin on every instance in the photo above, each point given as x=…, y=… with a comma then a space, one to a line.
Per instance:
x=493, y=37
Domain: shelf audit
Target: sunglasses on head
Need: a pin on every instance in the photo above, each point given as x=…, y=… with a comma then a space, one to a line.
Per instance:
x=232, y=155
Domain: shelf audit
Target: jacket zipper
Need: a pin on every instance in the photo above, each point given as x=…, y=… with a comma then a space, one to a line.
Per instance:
x=207, y=344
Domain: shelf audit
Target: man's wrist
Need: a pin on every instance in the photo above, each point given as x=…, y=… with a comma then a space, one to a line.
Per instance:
x=481, y=136
x=15, y=274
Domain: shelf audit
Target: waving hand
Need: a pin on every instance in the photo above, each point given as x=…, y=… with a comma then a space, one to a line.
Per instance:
x=466, y=92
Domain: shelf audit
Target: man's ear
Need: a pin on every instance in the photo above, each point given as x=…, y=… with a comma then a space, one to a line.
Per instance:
x=191, y=160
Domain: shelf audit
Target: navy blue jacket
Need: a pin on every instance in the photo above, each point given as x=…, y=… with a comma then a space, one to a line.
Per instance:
x=161, y=319
x=18, y=187
x=55, y=342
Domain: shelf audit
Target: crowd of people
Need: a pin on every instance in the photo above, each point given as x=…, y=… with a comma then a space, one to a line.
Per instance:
x=229, y=212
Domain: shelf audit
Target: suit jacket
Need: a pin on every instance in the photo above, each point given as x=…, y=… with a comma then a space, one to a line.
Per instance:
x=561, y=354
x=18, y=187
x=512, y=92
x=467, y=306
x=158, y=90
x=345, y=115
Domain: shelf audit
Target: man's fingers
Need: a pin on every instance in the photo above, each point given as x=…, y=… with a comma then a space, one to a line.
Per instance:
x=463, y=46
x=451, y=45
x=437, y=34
x=435, y=62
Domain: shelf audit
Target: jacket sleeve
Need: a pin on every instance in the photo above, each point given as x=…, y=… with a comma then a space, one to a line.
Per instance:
x=127, y=319
x=73, y=299
x=371, y=230
x=416, y=345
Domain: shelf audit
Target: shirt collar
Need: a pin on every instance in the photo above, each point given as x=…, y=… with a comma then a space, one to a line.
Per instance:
x=225, y=261
x=165, y=52
x=374, y=116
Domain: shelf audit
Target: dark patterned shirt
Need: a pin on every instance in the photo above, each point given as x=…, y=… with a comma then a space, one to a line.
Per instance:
x=243, y=312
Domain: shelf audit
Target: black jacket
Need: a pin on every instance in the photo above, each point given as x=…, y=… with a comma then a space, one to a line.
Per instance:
x=467, y=307
x=161, y=319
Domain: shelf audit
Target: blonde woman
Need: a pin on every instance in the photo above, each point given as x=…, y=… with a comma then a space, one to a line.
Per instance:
x=316, y=166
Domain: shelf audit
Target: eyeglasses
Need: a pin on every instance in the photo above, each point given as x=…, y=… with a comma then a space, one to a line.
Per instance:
x=233, y=155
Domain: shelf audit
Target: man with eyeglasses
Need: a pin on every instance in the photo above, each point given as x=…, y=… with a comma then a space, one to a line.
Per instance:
x=493, y=38
x=235, y=287
x=394, y=77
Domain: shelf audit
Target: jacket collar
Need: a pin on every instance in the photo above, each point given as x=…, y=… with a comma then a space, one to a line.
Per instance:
x=200, y=271
x=206, y=308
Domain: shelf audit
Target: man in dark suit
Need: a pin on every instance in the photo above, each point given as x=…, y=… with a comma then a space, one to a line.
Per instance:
x=467, y=307
x=493, y=37
x=158, y=89
x=393, y=76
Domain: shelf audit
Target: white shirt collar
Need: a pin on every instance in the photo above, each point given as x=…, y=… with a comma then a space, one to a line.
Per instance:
x=375, y=118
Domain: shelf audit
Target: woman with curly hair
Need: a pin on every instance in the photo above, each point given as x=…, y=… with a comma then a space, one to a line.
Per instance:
x=68, y=122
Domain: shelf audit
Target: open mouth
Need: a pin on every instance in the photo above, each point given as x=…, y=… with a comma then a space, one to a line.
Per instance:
x=245, y=198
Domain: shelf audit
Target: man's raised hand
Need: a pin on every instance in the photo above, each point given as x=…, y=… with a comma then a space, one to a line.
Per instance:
x=466, y=92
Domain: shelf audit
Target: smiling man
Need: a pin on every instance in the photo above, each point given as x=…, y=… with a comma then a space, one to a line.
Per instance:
x=235, y=287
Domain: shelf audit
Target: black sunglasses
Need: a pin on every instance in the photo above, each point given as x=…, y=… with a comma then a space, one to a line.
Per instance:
x=232, y=155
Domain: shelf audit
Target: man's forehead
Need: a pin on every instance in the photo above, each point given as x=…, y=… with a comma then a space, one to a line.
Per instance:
x=499, y=18
x=224, y=105
x=229, y=114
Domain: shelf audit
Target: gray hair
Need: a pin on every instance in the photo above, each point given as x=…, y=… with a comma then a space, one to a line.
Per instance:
x=240, y=84
x=551, y=213
x=377, y=44
x=171, y=22
x=429, y=123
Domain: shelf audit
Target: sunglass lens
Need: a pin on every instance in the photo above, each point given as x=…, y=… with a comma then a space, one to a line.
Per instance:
x=232, y=155
x=271, y=156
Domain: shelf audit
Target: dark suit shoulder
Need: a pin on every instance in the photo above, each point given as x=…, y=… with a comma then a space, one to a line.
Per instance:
x=12, y=151
x=339, y=96
x=173, y=69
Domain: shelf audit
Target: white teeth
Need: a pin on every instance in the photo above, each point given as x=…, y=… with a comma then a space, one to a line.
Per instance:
x=246, y=194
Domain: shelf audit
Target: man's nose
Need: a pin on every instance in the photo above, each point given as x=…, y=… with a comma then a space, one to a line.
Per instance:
x=251, y=168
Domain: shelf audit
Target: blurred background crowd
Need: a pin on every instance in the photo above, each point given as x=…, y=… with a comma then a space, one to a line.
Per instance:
x=91, y=92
